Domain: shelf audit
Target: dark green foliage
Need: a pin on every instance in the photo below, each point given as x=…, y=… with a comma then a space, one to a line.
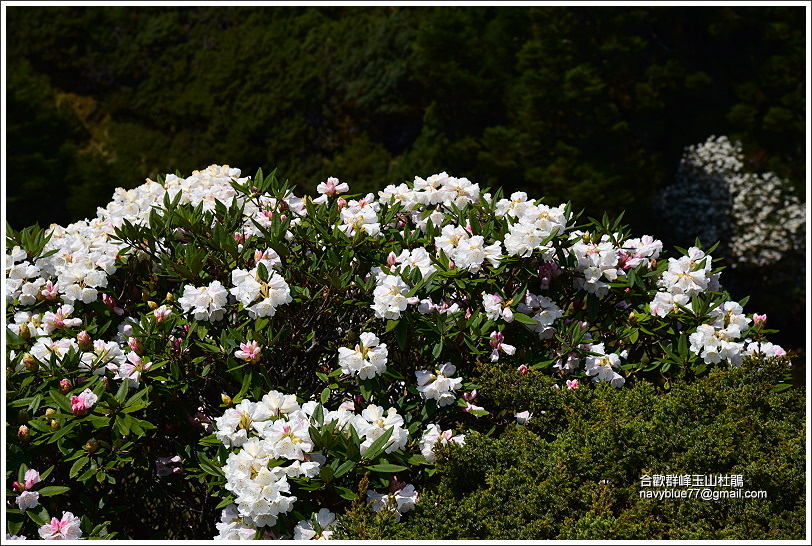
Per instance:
x=590, y=105
x=574, y=472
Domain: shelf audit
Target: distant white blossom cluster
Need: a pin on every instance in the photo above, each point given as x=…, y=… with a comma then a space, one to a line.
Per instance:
x=756, y=217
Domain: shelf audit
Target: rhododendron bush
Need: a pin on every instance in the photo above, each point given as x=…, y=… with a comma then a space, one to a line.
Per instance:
x=259, y=362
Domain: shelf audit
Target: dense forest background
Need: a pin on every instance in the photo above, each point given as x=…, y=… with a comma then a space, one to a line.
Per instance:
x=582, y=104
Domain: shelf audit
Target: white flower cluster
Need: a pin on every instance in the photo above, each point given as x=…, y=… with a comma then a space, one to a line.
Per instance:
x=360, y=216
x=756, y=218
x=205, y=302
x=318, y=527
x=605, y=261
x=434, y=436
x=390, y=296
x=416, y=258
x=533, y=224
x=249, y=287
x=543, y=311
x=465, y=250
x=366, y=360
x=438, y=384
x=399, y=502
x=277, y=429
x=685, y=277
x=601, y=367
x=717, y=341
x=207, y=187
x=438, y=190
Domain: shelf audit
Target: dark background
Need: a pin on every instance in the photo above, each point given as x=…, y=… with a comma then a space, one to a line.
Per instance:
x=582, y=104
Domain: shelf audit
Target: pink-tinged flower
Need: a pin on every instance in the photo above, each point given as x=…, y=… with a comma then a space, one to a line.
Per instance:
x=65, y=529
x=110, y=302
x=31, y=478
x=162, y=467
x=391, y=260
x=523, y=369
x=249, y=352
x=468, y=396
x=332, y=187
x=162, y=313
x=572, y=383
x=50, y=291
x=240, y=237
x=523, y=417
x=759, y=320
x=82, y=403
x=342, y=203
x=497, y=344
x=27, y=500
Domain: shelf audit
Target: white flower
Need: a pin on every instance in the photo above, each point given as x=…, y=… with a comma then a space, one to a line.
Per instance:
x=324, y=520
x=27, y=500
x=401, y=501
x=439, y=385
x=374, y=422
x=249, y=287
x=600, y=366
x=390, y=297
x=367, y=360
x=433, y=436
x=232, y=527
x=417, y=258
x=523, y=417
x=206, y=303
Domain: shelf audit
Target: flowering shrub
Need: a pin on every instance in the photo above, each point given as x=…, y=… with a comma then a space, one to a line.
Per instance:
x=757, y=219
x=261, y=361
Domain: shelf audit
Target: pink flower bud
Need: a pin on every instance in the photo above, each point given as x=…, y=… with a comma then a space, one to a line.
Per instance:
x=18, y=487
x=572, y=383
x=341, y=203
x=30, y=362
x=84, y=340
x=65, y=386
x=759, y=320
x=135, y=345
x=23, y=433
x=523, y=369
x=496, y=339
x=391, y=260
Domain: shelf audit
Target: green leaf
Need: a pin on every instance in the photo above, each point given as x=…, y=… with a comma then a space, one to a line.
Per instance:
x=379, y=444
x=325, y=395
x=345, y=467
x=61, y=400
x=345, y=493
x=121, y=394
x=77, y=466
x=400, y=334
x=386, y=468
x=524, y=319
x=40, y=518
x=51, y=490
